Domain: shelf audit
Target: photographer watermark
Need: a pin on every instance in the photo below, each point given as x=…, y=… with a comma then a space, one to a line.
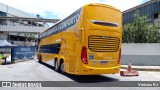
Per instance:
x=148, y=84
x=79, y=84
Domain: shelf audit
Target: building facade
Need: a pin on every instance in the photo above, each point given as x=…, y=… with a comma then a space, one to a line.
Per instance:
x=150, y=9
x=19, y=27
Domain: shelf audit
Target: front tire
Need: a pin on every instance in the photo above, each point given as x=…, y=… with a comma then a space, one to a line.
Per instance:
x=40, y=58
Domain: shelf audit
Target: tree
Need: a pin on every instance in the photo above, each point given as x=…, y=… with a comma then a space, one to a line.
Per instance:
x=128, y=35
x=140, y=31
x=29, y=37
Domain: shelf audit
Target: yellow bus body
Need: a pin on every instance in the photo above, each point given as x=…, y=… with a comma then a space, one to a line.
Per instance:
x=98, y=29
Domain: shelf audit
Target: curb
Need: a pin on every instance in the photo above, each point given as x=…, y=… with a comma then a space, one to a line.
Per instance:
x=142, y=69
x=16, y=61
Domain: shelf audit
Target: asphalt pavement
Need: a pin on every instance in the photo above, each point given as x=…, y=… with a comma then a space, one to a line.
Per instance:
x=34, y=71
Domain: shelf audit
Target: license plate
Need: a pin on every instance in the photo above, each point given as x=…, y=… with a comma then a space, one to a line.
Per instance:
x=103, y=62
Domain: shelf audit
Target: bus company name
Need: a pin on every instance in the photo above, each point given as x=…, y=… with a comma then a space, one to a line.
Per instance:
x=61, y=26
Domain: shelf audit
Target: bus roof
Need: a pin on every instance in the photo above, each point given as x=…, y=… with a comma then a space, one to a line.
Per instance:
x=91, y=4
x=102, y=5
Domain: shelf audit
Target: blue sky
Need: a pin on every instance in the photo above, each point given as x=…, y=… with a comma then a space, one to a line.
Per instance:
x=59, y=9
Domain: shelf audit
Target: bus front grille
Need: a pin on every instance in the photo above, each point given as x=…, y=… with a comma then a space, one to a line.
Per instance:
x=103, y=43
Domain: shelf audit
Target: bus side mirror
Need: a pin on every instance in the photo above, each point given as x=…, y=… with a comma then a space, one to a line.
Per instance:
x=82, y=35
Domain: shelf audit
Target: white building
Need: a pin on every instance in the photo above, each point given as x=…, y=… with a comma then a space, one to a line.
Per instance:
x=19, y=27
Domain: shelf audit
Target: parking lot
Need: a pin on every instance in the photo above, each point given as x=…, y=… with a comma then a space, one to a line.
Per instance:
x=34, y=71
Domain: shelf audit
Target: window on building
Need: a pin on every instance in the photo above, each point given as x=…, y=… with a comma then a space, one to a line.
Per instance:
x=156, y=16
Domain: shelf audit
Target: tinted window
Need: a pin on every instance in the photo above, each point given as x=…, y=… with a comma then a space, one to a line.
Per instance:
x=51, y=48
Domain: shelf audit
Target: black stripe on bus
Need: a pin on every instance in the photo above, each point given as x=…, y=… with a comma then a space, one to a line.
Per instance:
x=51, y=48
x=62, y=25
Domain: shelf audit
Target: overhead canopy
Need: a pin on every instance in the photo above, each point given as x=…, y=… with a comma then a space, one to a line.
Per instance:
x=5, y=43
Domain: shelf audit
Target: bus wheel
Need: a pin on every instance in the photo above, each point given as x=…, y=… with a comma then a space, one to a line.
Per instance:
x=40, y=58
x=62, y=66
x=56, y=68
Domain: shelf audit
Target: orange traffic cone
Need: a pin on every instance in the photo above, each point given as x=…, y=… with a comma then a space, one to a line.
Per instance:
x=129, y=71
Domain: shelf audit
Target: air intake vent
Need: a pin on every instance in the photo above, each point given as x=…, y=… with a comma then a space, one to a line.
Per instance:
x=103, y=43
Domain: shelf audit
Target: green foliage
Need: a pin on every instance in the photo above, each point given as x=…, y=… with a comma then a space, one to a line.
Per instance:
x=30, y=36
x=140, y=31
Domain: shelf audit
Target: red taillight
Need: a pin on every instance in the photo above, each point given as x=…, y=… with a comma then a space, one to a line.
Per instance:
x=119, y=59
x=84, y=55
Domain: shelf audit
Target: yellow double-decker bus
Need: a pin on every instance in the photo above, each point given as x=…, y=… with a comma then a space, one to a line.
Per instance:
x=88, y=42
